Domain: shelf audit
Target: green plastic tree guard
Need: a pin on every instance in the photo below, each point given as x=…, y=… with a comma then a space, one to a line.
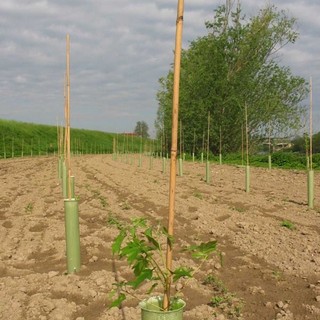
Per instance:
x=164, y=165
x=201, y=157
x=150, y=162
x=60, y=169
x=140, y=161
x=151, y=310
x=64, y=181
x=220, y=158
x=180, y=167
x=72, y=235
x=247, y=178
x=192, y=156
x=208, y=175
x=311, y=189
x=72, y=187
x=269, y=161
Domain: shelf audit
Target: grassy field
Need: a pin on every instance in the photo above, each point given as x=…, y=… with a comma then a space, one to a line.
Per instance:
x=20, y=139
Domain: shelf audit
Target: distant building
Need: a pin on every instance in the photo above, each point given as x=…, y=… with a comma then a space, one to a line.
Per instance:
x=277, y=144
x=130, y=134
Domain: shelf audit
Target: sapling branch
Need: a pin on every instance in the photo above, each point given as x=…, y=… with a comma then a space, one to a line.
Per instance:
x=141, y=245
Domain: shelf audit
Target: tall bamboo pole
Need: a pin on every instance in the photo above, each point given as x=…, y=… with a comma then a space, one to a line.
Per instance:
x=173, y=159
x=247, y=182
x=181, y=150
x=247, y=135
x=68, y=116
x=65, y=117
x=70, y=204
x=208, y=136
x=269, y=156
x=242, y=147
x=208, y=150
x=194, y=144
x=220, y=146
x=310, y=171
x=311, y=129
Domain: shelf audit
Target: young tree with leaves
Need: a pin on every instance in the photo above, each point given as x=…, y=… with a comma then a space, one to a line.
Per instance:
x=142, y=129
x=236, y=63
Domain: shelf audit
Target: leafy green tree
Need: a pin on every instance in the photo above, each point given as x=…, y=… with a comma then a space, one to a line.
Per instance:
x=233, y=66
x=142, y=129
x=301, y=143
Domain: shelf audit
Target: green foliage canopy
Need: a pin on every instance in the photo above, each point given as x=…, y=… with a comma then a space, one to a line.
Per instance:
x=142, y=129
x=234, y=65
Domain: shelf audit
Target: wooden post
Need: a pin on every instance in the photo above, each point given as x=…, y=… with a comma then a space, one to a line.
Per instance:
x=70, y=204
x=220, y=148
x=173, y=159
x=208, y=178
x=242, y=146
x=202, y=147
x=68, y=117
x=194, y=144
x=311, y=129
x=180, y=153
x=247, y=184
x=310, y=172
x=269, y=156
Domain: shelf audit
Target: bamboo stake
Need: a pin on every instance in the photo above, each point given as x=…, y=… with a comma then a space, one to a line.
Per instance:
x=269, y=156
x=4, y=148
x=220, y=149
x=173, y=158
x=311, y=129
x=310, y=172
x=242, y=146
x=12, y=148
x=194, y=144
x=247, y=151
x=68, y=117
x=208, y=150
x=180, y=153
x=70, y=203
x=202, y=147
x=65, y=116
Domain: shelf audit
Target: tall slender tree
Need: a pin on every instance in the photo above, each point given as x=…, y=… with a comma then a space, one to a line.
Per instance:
x=236, y=62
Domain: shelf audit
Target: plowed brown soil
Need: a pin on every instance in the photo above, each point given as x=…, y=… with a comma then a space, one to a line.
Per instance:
x=267, y=271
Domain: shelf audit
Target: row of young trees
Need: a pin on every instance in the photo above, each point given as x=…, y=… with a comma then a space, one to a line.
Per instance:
x=233, y=66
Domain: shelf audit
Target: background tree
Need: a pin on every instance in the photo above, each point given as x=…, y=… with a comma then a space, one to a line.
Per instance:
x=142, y=129
x=236, y=63
x=301, y=143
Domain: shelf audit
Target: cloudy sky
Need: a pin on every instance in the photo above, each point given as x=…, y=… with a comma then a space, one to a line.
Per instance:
x=119, y=50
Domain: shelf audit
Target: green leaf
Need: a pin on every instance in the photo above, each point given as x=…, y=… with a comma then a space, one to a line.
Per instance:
x=182, y=272
x=139, y=222
x=152, y=288
x=148, y=234
x=169, y=237
x=116, y=246
x=203, y=250
x=144, y=275
x=141, y=264
x=131, y=251
x=118, y=301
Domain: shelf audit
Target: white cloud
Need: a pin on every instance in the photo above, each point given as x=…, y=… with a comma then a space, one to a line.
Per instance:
x=119, y=49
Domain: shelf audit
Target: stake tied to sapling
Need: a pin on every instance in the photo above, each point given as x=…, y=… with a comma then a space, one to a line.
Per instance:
x=142, y=245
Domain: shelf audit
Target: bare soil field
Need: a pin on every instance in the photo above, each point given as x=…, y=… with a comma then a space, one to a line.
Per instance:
x=266, y=270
